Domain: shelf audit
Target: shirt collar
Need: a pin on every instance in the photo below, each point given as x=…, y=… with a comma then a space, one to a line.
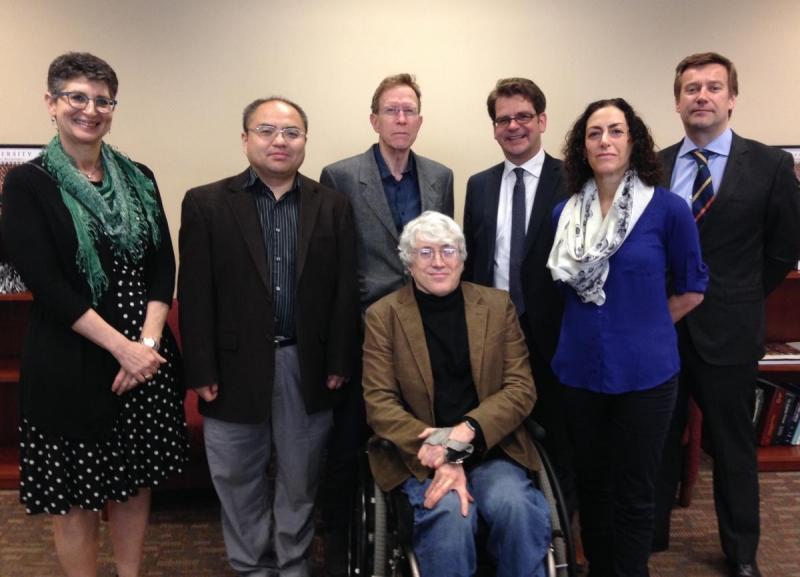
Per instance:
x=720, y=146
x=532, y=166
x=256, y=184
x=383, y=168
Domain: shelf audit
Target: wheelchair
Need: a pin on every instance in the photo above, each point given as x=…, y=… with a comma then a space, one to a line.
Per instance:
x=381, y=525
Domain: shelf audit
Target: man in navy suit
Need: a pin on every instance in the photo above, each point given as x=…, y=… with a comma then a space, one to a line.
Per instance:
x=516, y=107
x=750, y=238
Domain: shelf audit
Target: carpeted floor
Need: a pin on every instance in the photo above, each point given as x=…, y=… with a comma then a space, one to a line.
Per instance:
x=184, y=538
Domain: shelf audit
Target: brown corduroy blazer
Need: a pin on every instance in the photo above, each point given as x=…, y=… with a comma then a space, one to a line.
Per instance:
x=398, y=380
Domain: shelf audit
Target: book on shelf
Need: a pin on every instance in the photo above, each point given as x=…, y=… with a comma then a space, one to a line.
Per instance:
x=759, y=404
x=775, y=395
x=781, y=353
x=791, y=424
x=777, y=413
x=796, y=436
x=785, y=419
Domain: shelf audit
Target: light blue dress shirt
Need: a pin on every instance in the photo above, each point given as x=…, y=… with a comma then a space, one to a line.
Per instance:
x=685, y=170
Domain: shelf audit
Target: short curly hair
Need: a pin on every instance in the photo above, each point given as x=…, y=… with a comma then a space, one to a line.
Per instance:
x=643, y=155
x=76, y=64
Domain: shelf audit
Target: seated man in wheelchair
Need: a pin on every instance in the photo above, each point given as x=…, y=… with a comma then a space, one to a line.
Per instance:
x=447, y=381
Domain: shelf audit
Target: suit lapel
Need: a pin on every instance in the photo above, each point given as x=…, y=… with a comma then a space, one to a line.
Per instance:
x=428, y=193
x=411, y=323
x=244, y=210
x=309, y=209
x=372, y=192
x=492, y=199
x=477, y=314
x=732, y=175
x=668, y=158
x=548, y=186
x=726, y=189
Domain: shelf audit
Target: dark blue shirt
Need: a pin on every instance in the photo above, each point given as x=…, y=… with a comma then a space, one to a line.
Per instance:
x=402, y=195
x=629, y=343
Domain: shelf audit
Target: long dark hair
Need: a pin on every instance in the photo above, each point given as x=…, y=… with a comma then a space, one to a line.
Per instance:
x=643, y=155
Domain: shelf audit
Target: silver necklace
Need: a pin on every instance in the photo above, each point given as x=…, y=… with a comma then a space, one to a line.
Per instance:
x=90, y=174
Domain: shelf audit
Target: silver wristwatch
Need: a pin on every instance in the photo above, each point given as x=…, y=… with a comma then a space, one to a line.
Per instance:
x=150, y=342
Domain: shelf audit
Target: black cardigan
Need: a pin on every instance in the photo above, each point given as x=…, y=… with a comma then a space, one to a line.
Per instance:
x=65, y=379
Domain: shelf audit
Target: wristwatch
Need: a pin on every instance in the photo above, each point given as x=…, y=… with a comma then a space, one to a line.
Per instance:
x=150, y=342
x=456, y=452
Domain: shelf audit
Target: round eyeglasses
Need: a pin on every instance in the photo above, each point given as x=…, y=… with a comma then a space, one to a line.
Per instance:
x=79, y=101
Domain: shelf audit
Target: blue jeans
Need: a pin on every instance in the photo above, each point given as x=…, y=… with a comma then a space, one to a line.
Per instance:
x=515, y=512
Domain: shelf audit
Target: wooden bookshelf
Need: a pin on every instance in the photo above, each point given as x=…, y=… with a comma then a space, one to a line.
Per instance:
x=14, y=309
x=779, y=458
x=782, y=325
x=9, y=467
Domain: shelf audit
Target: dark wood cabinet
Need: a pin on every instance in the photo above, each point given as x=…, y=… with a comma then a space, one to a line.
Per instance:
x=14, y=309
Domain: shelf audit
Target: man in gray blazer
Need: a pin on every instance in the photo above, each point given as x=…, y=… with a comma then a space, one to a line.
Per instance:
x=388, y=185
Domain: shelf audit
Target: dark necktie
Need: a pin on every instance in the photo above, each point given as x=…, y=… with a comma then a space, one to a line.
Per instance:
x=703, y=190
x=517, y=241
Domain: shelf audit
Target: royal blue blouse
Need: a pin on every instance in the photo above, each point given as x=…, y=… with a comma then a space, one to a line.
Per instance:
x=629, y=343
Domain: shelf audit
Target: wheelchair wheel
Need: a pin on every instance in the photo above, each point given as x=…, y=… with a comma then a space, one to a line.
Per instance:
x=561, y=557
x=367, y=554
x=375, y=549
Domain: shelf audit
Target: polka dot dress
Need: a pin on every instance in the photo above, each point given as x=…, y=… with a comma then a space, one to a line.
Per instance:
x=148, y=442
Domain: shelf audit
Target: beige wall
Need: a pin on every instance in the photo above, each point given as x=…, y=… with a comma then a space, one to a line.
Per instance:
x=187, y=68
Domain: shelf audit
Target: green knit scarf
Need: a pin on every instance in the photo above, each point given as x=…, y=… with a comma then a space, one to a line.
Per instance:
x=123, y=208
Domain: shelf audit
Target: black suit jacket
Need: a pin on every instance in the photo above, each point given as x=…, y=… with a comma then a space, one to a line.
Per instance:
x=750, y=240
x=65, y=378
x=225, y=292
x=542, y=299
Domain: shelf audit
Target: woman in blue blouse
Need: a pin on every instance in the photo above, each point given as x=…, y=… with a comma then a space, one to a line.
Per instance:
x=622, y=247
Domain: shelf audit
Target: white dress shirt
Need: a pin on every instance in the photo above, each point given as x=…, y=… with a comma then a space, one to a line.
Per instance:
x=502, y=246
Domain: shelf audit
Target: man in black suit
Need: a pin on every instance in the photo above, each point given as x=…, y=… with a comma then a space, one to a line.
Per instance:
x=516, y=107
x=269, y=318
x=750, y=238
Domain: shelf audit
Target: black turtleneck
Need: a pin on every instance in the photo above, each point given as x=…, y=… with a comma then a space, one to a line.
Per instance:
x=445, y=324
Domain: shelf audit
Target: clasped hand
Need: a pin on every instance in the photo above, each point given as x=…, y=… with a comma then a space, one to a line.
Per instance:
x=448, y=476
x=137, y=364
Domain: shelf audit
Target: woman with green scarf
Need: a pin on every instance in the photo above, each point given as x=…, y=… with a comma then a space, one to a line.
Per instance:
x=101, y=394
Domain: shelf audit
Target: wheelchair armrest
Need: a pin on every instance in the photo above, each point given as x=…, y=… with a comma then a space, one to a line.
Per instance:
x=535, y=429
x=379, y=442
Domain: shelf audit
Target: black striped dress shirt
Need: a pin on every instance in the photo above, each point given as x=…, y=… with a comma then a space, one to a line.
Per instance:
x=279, y=228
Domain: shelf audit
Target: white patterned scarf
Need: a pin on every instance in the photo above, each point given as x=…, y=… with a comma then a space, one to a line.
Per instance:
x=584, y=240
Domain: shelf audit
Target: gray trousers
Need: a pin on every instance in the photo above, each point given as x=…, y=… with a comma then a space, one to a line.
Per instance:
x=266, y=537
